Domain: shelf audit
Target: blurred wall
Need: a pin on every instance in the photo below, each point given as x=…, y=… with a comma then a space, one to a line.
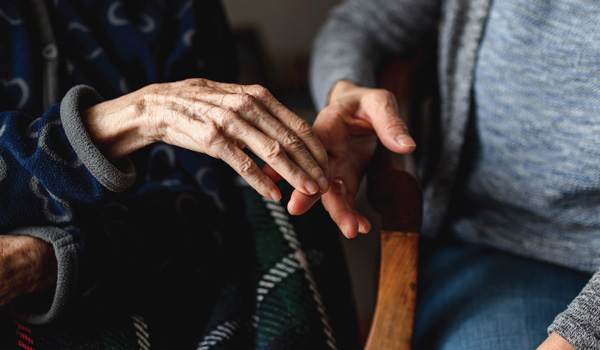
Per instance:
x=275, y=39
x=286, y=26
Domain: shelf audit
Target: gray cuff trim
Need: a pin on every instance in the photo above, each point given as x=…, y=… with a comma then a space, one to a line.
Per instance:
x=109, y=175
x=332, y=64
x=321, y=90
x=337, y=58
x=67, y=258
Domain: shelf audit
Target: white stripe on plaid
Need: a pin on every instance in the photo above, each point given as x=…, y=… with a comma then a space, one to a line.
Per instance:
x=141, y=332
x=281, y=218
x=223, y=332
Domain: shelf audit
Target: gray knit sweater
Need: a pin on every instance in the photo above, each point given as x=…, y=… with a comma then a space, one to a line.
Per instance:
x=351, y=45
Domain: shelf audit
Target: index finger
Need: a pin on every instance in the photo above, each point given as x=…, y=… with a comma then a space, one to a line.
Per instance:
x=296, y=124
x=290, y=120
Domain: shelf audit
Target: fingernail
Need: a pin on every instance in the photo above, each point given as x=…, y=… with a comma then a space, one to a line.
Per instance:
x=323, y=184
x=311, y=187
x=275, y=195
x=406, y=141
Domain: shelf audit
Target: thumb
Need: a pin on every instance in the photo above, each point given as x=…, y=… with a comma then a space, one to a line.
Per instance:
x=390, y=128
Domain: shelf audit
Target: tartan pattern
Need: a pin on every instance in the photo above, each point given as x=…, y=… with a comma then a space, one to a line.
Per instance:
x=271, y=300
x=120, y=334
x=160, y=249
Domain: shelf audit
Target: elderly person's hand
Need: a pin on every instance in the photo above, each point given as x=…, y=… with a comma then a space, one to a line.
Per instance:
x=27, y=265
x=219, y=120
x=349, y=128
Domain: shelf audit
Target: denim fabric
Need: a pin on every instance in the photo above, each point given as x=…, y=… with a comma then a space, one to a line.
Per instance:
x=472, y=297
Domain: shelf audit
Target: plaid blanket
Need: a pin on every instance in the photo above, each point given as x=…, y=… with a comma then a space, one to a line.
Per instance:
x=285, y=287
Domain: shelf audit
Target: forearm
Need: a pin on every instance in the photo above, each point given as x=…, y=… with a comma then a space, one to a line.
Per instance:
x=66, y=270
x=27, y=265
x=359, y=34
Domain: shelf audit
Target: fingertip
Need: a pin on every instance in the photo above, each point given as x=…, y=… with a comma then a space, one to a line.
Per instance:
x=349, y=227
x=406, y=142
x=364, y=228
x=323, y=184
x=300, y=203
x=275, y=194
x=347, y=231
x=401, y=144
x=292, y=208
x=311, y=187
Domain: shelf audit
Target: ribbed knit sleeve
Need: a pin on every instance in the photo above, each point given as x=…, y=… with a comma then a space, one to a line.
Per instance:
x=579, y=324
x=359, y=34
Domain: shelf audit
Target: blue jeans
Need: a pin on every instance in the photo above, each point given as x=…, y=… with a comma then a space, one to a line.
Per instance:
x=476, y=298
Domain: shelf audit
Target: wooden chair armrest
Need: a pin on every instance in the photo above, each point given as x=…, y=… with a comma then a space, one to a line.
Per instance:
x=395, y=193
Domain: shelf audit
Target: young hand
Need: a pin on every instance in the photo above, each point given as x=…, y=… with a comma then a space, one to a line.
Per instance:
x=349, y=128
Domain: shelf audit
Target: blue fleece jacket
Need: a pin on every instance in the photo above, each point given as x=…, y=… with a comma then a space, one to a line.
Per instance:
x=51, y=174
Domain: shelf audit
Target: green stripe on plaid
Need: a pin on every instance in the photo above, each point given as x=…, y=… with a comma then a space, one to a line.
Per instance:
x=275, y=294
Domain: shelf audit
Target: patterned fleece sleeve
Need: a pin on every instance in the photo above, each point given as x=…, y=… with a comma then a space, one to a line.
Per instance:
x=48, y=167
x=579, y=324
x=359, y=34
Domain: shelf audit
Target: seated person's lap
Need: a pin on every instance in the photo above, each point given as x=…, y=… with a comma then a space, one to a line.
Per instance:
x=476, y=298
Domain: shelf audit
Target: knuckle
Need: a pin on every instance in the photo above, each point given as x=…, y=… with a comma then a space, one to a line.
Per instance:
x=225, y=116
x=273, y=150
x=395, y=124
x=198, y=81
x=192, y=83
x=260, y=91
x=213, y=136
x=292, y=141
x=246, y=167
x=302, y=127
x=381, y=97
x=245, y=100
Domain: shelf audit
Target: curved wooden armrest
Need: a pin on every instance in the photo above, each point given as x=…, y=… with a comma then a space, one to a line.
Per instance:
x=394, y=191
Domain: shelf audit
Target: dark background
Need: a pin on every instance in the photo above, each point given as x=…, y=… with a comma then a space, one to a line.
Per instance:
x=274, y=42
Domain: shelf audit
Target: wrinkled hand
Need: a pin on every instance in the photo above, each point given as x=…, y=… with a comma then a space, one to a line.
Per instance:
x=27, y=265
x=219, y=120
x=349, y=128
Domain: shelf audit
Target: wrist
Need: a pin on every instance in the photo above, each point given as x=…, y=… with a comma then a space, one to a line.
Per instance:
x=340, y=88
x=555, y=342
x=120, y=126
x=27, y=265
